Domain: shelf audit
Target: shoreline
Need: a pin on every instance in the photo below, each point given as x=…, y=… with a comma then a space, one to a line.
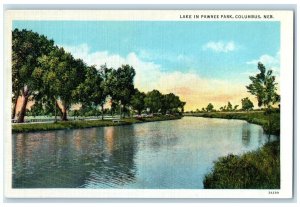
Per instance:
x=258, y=169
x=254, y=117
x=81, y=124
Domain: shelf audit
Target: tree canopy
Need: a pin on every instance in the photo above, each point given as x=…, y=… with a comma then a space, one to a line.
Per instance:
x=52, y=78
x=247, y=104
x=137, y=101
x=154, y=101
x=62, y=74
x=27, y=47
x=209, y=107
x=264, y=87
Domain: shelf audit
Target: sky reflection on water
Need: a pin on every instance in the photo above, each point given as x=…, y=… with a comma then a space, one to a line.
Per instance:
x=159, y=155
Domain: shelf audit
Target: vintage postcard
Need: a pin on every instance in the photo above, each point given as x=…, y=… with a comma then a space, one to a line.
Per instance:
x=149, y=103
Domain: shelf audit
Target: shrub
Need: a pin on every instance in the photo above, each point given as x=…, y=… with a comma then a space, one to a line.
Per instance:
x=259, y=169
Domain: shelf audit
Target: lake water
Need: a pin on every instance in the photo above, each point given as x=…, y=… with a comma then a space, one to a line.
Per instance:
x=158, y=155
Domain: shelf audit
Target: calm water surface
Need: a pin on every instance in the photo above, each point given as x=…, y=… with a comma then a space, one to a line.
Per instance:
x=157, y=155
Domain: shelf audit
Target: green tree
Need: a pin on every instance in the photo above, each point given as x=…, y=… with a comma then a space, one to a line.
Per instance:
x=108, y=77
x=229, y=106
x=121, y=86
x=235, y=107
x=137, y=101
x=209, y=107
x=27, y=47
x=154, y=101
x=91, y=91
x=36, y=110
x=264, y=87
x=247, y=104
x=172, y=103
x=182, y=104
x=61, y=75
x=87, y=110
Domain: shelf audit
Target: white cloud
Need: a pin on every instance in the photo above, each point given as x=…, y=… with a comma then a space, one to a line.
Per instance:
x=266, y=60
x=153, y=55
x=269, y=61
x=192, y=88
x=145, y=82
x=96, y=58
x=220, y=46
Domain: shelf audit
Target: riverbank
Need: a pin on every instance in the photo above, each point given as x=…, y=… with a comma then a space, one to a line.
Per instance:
x=254, y=117
x=258, y=169
x=79, y=124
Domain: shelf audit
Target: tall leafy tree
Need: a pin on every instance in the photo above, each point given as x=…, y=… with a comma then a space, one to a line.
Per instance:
x=91, y=91
x=247, y=104
x=107, y=76
x=264, y=87
x=27, y=47
x=121, y=86
x=172, y=103
x=154, y=101
x=61, y=75
x=137, y=101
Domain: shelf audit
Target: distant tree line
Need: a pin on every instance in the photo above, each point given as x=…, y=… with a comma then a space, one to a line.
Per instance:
x=51, y=77
x=262, y=86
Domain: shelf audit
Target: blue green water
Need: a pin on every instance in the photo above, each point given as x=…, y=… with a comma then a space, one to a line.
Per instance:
x=158, y=155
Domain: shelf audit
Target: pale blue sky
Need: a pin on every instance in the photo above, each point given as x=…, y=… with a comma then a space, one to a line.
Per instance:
x=221, y=51
x=162, y=42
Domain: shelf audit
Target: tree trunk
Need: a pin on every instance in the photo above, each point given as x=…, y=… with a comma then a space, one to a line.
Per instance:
x=23, y=109
x=64, y=115
x=25, y=96
x=120, y=110
x=13, y=114
x=102, y=110
x=123, y=111
x=63, y=111
x=57, y=106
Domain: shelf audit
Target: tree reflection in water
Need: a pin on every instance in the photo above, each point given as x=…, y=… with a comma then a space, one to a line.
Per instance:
x=116, y=167
x=157, y=155
x=246, y=134
x=76, y=158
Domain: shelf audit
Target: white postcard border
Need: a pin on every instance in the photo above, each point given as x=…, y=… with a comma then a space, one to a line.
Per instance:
x=286, y=84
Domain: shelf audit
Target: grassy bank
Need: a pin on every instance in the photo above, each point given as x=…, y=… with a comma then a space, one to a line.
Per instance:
x=85, y=124
x=255, y=117
x=259, y=169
